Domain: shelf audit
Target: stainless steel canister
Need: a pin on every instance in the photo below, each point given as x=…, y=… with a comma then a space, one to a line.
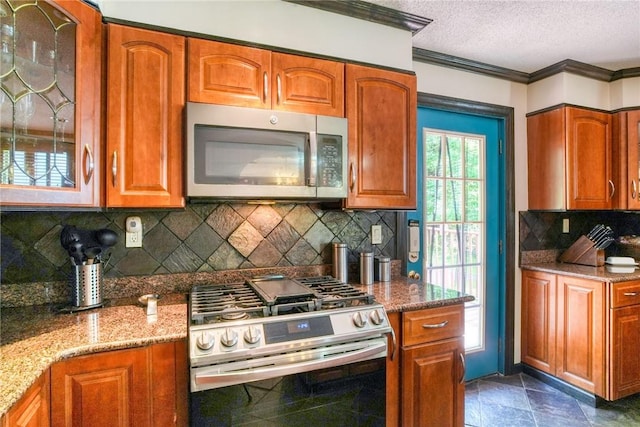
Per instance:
x=86, y=282
x=382, y=269
x=340, y=263
x=366, y=268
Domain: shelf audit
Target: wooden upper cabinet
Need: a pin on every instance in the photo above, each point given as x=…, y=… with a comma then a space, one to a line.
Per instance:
x=570, y=159
x=222, y=73
x=626, y=159
x=52, y=141
x=145, y=101
x=381, y=108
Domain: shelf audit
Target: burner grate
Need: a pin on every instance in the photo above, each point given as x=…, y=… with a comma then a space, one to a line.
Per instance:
x=335, y=293
x=225, y=302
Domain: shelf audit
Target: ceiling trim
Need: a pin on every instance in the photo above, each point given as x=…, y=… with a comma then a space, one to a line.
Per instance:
x=567, y=66
x=437, y=58
x=572, y=67
x=370, y=12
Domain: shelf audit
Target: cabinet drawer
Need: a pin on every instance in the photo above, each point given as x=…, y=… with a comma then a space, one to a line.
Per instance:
x=432, y=324
x=625, y=293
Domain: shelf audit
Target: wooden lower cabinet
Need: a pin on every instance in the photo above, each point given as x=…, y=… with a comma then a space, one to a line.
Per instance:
x=32, y=410
x=133, y=387
x=624, y=370
x=432, y=367
x=584, y=332
x=392, y=413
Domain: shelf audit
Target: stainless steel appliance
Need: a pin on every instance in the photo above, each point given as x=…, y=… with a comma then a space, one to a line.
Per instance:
x=250, y=153
x=277, y=329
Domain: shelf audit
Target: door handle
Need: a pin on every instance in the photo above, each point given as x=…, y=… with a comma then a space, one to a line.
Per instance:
x=265, y=88
x=613, y=189
x=114, y=168
x=633, y=189
x=464, y=368
x=352, y=177
x=90, y=167
x=435, y=325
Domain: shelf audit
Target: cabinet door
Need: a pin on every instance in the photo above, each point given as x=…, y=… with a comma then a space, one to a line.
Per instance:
x=32, y=410
x=589, y=164
x=539, y=320
x=626, y=159
x=547, y=181
x=307, y=85
x=580, y=340
x=392, y=415
x=625, y=348
x=144, y=118
x=433, y=384
x=633, y=160
x=381, y=108
x=106, y=389
x=222, y=73
x=51, y=145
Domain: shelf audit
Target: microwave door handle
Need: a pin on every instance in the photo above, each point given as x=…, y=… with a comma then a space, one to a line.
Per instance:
x=313, y=160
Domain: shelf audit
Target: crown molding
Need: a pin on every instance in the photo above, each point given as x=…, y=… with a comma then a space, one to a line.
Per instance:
x=566, y=66
x=572, y=67
x=437, y=58
x=370, y=12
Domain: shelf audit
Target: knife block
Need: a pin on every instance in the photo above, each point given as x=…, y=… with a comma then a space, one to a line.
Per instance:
x=583, y=252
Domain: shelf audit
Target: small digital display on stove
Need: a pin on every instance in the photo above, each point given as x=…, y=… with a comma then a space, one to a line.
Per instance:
x=299, y=326
x=292, y=330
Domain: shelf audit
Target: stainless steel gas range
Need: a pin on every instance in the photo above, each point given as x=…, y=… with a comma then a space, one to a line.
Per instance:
x=274, y=326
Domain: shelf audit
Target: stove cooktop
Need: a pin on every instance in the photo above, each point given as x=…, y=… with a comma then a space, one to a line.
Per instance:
x=271, y=296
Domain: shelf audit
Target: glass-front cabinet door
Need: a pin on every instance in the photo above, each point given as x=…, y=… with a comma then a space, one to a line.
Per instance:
x=50, y=103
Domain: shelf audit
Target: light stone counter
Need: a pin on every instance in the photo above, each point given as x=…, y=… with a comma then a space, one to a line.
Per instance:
x=34, y=337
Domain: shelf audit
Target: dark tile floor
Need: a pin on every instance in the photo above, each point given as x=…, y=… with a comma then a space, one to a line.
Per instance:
x=521, y=400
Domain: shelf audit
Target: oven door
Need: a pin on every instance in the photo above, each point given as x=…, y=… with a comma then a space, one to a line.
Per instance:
x=351, y=394
x=243, y=371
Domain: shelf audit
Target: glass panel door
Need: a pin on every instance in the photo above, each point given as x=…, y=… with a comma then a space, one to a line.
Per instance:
x=37, y=95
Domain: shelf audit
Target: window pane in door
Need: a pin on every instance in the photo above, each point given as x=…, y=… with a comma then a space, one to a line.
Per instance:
x=454, y=222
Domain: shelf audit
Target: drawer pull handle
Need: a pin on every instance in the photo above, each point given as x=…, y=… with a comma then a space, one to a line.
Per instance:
x=630, y=294
x=435, y=325
x=464, y=368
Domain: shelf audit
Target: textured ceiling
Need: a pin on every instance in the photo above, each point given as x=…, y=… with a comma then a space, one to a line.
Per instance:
x=525, y=35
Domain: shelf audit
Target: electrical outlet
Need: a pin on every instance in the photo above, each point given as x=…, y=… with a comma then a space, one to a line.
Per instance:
x=133, y=232
x=565, y=225
x=376, y=234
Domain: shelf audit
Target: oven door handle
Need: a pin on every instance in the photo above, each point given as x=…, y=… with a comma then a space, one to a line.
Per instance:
x=206, y=380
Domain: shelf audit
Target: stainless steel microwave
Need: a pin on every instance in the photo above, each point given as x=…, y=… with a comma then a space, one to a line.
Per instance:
x=250, y=153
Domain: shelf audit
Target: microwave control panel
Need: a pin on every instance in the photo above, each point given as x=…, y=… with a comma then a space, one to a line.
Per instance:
x=329, y=161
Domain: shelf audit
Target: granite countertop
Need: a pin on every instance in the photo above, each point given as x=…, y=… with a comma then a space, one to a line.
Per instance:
x=34, y=337
x=605, y=273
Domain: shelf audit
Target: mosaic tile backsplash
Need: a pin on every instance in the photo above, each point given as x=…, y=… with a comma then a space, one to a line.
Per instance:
x=541, y=231
x=200, y=238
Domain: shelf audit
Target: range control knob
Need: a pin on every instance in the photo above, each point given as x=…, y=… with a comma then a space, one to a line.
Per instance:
x=229, y=338
x=376, y=317
x=359, y=319
x=252, y=335
x=205, y=341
